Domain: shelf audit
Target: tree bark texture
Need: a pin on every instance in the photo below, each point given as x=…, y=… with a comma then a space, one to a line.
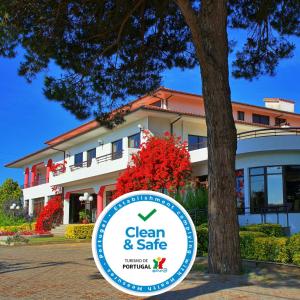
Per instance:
x=209, y=32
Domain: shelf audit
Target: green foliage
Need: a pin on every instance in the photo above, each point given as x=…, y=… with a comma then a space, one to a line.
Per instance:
x=195, y=201
x=17, y=228
x=79, y=231
x=294, y=248
x=17, y=239
x=257, y=245
x=108, y=50
x=84, y=215
x=9, y=190
x=247, y=241
x=202, y=237
x=193, y=198
x=9, y=220
x=275, y=230
x=271, y=249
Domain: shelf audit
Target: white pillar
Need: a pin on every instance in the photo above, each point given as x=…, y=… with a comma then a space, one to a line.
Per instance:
x=46, y=199
x=30, y=207
x=66, y=211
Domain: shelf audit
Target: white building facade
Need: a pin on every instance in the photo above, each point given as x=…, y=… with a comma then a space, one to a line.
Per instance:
x=267, y=161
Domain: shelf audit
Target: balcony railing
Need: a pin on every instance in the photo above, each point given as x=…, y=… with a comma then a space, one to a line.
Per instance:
x=99, y=159
x=269, y=132
x=39, y=181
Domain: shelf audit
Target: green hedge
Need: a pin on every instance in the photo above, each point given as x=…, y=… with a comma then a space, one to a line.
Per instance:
x=294, y=248
x=247, y=241
x=259, y=246
x=79, y=231
x=269, y=229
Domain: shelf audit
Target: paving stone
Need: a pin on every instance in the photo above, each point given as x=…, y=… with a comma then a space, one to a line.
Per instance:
x=67, y=271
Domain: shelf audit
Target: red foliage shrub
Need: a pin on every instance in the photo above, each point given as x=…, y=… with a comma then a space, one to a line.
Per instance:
x=161, y=163
x=51, y=215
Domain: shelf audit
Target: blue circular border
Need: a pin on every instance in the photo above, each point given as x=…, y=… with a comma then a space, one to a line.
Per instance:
x=145, y=288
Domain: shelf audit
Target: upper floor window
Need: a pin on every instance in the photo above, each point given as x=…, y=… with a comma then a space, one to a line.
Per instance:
x=78, y=159
x=90, y=155
x=196, y=142
x=241, y=116
x=260, y=119
x=117, y=149
x=280, y=121
x=134, y=140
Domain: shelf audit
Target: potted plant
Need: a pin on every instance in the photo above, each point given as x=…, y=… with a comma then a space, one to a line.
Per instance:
x=84, y=217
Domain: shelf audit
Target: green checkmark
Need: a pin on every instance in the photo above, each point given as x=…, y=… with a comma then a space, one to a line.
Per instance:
x=145, y=218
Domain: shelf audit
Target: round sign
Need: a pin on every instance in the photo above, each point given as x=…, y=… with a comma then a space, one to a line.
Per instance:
x=144, y=243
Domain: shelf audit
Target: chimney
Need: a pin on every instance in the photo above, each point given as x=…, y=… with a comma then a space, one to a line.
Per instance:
x=280, y=104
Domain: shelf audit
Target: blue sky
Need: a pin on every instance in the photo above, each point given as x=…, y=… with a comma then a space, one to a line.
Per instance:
x=28, y=119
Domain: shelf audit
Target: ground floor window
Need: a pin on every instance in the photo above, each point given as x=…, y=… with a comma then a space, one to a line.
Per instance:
x=109, y=197
x=274, y=186
x=38, y=204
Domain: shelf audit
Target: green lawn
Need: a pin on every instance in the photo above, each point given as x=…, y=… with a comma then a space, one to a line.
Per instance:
x=55, y=240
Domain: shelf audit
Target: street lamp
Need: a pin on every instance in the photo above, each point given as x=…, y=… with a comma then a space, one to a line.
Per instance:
x=14, y=208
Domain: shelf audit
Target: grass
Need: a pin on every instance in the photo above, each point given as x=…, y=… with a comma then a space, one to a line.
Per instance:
x=55, y=240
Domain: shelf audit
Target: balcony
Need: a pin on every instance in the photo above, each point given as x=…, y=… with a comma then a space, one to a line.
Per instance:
x=39, y=181
x=99, y=159
x=270, y=139
x=101, y=165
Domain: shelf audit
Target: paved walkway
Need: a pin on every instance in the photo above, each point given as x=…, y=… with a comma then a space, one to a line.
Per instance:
x=67, y=271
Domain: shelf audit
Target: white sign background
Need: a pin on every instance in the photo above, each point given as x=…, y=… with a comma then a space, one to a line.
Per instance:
x=171, y=218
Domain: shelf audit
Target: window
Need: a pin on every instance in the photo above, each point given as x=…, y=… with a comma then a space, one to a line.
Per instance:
x=109, y=196
x=90, y=155
x=257, y=189
x=78, y=159
x=117, y=149
x=292, y=182
x=38, y=205
x=280, y=121
x=241, y=115
x=239, y=188
x=134, y=141
x=261, y=119
x=196, y=142
x=277, y=186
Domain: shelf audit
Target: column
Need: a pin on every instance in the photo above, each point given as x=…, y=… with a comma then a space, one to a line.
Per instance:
x=30, y=207
x=46, y=199
x=66, y=218
x=100, y=197
x=26, y=178
x=49, y=165
x=33, y=173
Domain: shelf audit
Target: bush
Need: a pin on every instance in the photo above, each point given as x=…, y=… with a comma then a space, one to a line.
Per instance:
x=79, y=231
x=247, y=243
x=202, y=236
x=17, y=228
x=294, y=248
x=275, y=230
x=271, y=249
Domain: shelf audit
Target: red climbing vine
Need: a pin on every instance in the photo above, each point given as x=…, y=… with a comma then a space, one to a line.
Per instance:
x=51, y=215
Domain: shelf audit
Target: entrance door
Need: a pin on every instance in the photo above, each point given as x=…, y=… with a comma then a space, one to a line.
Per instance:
x=74, y=208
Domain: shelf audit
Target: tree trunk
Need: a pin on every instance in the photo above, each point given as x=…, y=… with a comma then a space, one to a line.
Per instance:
x=209, y=31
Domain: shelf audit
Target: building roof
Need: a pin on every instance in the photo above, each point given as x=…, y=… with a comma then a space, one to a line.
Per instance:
x=142, y=103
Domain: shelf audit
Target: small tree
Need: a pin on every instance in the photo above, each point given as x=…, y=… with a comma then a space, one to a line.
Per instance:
x=162, y=163
x=9, y=190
